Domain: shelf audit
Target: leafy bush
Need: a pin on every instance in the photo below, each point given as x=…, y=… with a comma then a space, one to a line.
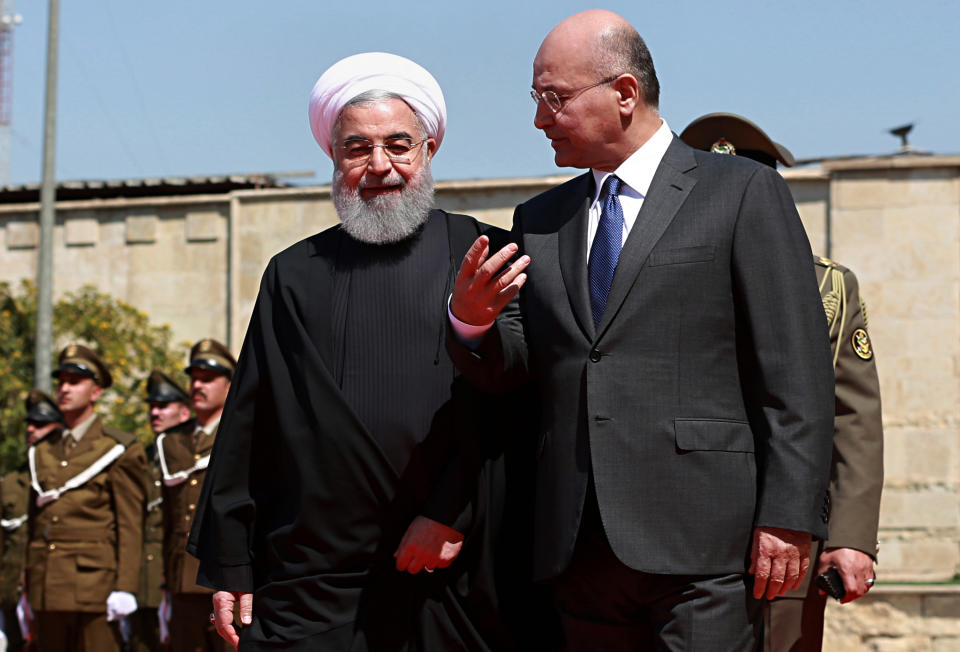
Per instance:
x=121, y=335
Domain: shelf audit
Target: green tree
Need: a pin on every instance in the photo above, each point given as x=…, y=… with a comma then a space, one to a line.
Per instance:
x=120, y=334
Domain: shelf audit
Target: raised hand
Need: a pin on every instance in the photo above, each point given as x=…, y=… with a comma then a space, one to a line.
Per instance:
x=482, y=288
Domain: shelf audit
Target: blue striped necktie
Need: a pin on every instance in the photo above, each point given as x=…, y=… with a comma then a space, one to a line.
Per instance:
x=605, y=250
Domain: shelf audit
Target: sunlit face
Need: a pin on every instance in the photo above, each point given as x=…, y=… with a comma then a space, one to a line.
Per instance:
x=37, y=430
x=76, y=392
x=589, y=120
x=167, y=414
x=208, y=390
x=379, y=123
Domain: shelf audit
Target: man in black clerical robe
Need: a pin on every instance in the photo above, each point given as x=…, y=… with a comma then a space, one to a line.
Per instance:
x=349, y=456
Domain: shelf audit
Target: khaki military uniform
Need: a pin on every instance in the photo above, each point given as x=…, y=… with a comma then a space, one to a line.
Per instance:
x=87, y=542
x=146, y=634
x=794, y=622
x=14, y=498
x=184, y=450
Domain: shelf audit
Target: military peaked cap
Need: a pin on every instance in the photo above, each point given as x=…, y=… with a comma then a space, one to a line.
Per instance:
x=729, y=133
x=78, y=359
x=163, y=389
x=211, y=354
x=41, y=408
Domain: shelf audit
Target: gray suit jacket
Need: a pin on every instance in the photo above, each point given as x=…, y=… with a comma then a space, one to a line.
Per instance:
x=703, y=403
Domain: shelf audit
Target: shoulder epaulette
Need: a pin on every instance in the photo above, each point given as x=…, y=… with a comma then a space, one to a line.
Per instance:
x=823, y=261
x=120, y=436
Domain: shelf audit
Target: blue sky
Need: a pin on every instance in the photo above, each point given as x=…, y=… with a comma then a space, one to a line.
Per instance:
x=207, y=87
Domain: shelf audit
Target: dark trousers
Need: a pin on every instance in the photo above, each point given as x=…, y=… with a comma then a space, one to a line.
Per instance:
x=145, y=630
x=76, y=631
x=605, y=605
x=190, y=626
x=794, y=624
x=11, y=627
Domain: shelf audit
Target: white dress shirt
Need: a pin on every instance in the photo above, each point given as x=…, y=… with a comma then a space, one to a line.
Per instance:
x=636, y=173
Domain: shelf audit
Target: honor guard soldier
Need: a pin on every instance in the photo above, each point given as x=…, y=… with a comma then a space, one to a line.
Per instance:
x=794, y=621
x=169, y=406
x=42, y=418
x=184, y=453
x=86, y=517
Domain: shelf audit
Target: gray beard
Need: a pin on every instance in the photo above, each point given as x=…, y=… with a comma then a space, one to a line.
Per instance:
x=384, y=219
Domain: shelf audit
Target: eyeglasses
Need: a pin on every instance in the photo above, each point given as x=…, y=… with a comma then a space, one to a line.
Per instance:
x=356, y=153
x=556, y=102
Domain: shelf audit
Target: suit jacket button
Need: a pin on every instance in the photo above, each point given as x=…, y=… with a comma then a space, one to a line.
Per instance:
x=595, y=356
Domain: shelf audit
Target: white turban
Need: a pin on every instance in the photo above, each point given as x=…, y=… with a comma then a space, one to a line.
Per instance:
x=360, y=73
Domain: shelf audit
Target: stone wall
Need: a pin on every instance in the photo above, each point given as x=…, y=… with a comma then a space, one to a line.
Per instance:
x=896, y=619
x=167, y=256
x=899, y=228
x=196, y=262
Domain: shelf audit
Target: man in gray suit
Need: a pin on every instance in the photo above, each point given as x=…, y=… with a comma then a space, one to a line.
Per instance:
x=671, y=324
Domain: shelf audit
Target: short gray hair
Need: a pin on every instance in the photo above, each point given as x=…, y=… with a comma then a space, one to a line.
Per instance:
x=622, y=50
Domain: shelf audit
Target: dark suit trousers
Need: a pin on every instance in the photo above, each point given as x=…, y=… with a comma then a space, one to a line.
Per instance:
x=605, y=605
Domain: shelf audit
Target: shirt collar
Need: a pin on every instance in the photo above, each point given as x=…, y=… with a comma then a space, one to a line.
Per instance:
x=81, y=428
x=208, y=429
x=637, y=171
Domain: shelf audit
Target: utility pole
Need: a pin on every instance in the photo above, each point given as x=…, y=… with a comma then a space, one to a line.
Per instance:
x=9, y=19
x=48, y=191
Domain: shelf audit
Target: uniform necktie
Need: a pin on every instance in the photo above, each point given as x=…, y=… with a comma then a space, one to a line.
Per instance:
x=605, y=250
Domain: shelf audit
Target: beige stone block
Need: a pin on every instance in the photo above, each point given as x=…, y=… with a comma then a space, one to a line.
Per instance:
x=141, y=229
x=911, y=336
x=859, y=190
x=894, y=187
x=913, y=187
x=937, y=261
x=930, y=559
x=942, y=606
x=81, y=231
x=841, y=642
x=933, y=507
x=946, y=643
x=904, y=644
x=857, y=226
x=870, y=616
x=22, y=234
x=917, y=386
x=922, y=224
x=204, y=226
x=921, y=298
x=921, y=455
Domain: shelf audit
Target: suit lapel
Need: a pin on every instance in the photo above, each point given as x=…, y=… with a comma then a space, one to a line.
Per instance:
x=572, y=250
x=668, y=191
